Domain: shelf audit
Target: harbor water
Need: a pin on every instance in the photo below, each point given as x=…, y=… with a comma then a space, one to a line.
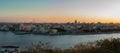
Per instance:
x=59, y=41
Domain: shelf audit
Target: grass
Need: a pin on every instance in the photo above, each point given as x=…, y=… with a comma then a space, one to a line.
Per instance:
x=111, y=45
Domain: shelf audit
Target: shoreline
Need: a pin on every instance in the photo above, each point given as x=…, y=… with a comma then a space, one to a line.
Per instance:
x=84, y=33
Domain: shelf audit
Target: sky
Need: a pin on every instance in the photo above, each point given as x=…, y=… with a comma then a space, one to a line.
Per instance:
x=59, y=10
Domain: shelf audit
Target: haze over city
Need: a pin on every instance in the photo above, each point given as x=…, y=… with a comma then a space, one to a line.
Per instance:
x=60, y=11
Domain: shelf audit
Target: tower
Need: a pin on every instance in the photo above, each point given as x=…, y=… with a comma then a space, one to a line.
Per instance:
x=75, y=21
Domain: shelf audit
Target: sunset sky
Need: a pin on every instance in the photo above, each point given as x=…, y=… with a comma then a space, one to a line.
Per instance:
x=60, y=11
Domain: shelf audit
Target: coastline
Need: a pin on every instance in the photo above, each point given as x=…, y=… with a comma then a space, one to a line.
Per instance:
x=58, y=34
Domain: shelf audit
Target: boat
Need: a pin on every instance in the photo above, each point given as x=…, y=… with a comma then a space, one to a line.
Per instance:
x=10, y=49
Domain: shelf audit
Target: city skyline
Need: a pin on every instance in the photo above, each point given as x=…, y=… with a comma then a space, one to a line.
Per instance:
x=60, y=11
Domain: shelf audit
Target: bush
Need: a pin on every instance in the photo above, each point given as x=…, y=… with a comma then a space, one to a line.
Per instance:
x=111, y=45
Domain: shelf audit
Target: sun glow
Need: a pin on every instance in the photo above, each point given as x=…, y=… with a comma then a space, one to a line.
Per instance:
x=60, y=19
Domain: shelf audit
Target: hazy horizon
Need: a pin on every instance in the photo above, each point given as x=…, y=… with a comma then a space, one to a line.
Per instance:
x=60, y=11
